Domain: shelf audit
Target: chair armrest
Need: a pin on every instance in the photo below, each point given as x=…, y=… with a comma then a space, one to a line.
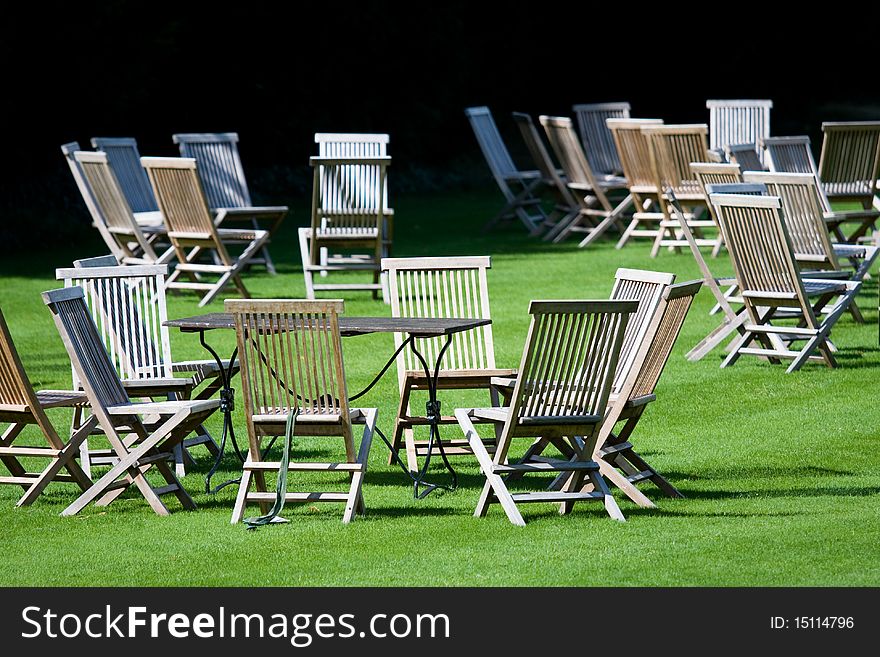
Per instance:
x=850, y=215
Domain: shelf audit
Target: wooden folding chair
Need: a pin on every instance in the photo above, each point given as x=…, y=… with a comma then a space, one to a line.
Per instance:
x=519, y=188
x=596, y=137
x=635, y=158
x=139, y=444
x=441, y=287
x=291, y=362
x=618, y=461
x=646, y=288
x=802, y=208
x=672, y=148
x=738, y=122
x=596, y=213
x=125, y=162
x=128, y=307
x=222, y=176
x=746, y=156
x=566, y=207
x=20, y=406
x=348, y=212
x=191, y=226
x=769, y=279
x=712, y=173
x=565, y=376
x=129, y=241
x=848, y=168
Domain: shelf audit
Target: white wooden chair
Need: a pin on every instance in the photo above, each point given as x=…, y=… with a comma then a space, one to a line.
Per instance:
x=561, y=392
x=348, y=202
x=125, y=161
x=22, y=406
x=449, y=288
x=225, y=186
x=128, y=307
x=291, y=362
x=519, y=188
x=769, y=279
x=849, y=166
x=596, y=137
x=193, y=233
x=140, y=444
x=746, y=156
x=672, y=148
x=635, y=158
x=597, y=213
x=128, y=240
x=738, y=122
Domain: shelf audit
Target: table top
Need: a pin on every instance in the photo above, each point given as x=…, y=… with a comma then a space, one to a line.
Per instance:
x=423, y=327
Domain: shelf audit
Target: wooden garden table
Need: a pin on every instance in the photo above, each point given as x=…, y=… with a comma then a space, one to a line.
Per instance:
x=414, y=327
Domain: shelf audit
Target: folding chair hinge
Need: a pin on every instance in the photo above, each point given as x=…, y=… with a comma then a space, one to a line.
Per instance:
x=227, y=400
x=432, y=411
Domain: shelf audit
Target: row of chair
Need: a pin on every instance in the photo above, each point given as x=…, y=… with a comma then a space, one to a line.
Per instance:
x=138, y=204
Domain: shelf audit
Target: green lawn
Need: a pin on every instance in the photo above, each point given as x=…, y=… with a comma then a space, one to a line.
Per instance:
x=781, y=473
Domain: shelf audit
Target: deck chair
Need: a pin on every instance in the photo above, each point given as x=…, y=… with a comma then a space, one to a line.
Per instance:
x=441, y=287
x=128, y=307
x=134, y=243
x=632, y=147
x=746, y=156
x=793, y=155
x=596, y=213
x=849, y=165
x=565, y=377
x=566, y=207
x=645, y=287
x=596, y=137
x=805, y=220
x=21, y=406
x=226, y=190
x=140, y=444
x=345, y=145
x=769, y=279
x=738, y=122
x=125, y=238
x=291, y=362
x=125, y=162
x=343, y=220
x=519, y=188
x=672, y=148
x=191, y=226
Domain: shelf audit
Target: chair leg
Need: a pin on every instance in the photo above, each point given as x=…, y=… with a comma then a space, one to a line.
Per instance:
x=241, y=498
x=305, y=235
x=627, y=487
x=608, y=499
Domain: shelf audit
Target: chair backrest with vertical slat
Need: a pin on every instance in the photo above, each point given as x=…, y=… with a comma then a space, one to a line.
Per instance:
x=106, y=191
x=745, y=155
x=660, y=338
x=672, y=148
x=565, y=144
x=355, y=145
x=496, y=153
x=712, y=173
x=348, y=194
x=850, y=159
x=179, y=193
x=789, y=154
x=569, y=360
x=803, y=212
x=597, y=139
x=535, y=146
x=90, y=360
x=15, y=387
x=125, y=160
x=759, y=245
x=738, y=121
x=647, y=288
x=290, y=354
x=127, y=305
x=219, y=167
x=632, y=147
x=453, y=287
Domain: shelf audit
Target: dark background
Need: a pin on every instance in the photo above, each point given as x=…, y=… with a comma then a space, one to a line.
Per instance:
x=276, y=73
